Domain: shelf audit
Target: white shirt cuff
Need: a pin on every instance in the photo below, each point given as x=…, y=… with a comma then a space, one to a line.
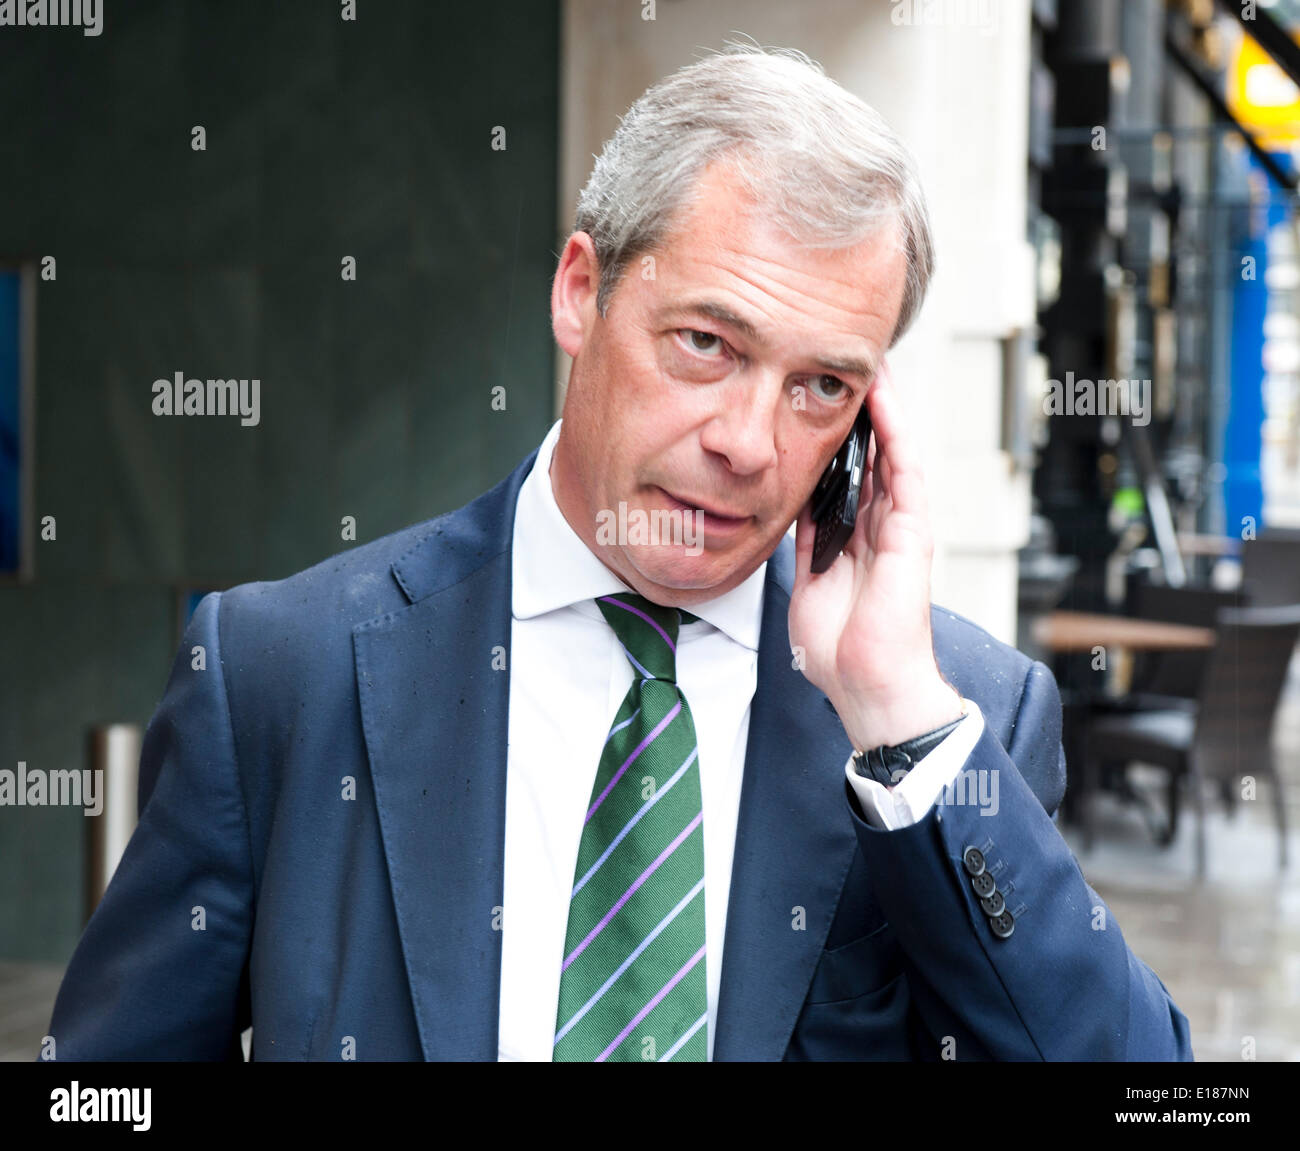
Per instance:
x=912, y=797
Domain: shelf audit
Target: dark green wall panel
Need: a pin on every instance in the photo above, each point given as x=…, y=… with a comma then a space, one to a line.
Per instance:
x=325, y=140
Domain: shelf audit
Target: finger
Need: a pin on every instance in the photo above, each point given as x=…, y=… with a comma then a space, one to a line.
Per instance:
x=901, y=472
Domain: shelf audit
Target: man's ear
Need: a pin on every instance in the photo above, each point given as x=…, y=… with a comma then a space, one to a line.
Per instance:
x=573, y=293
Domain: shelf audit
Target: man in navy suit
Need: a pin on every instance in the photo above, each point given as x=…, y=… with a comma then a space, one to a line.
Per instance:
x=362, y=802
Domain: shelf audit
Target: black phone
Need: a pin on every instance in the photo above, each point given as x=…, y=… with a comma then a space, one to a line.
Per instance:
x=836, y=497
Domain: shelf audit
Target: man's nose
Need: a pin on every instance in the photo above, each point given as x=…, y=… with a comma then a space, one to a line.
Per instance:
x=744, y=429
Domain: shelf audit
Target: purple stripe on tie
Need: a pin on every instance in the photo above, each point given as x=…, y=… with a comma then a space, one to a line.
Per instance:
x=649, y=1007
x=672, y=647
x=640, y=747
x=622, y=899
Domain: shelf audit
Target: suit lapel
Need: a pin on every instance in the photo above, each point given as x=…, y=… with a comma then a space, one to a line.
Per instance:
x=794, y=843
x=434, y=698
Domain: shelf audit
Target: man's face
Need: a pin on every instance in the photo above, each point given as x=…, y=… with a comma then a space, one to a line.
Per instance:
x=724, y=377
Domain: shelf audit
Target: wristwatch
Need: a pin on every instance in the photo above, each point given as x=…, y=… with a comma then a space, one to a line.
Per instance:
x=888, y=765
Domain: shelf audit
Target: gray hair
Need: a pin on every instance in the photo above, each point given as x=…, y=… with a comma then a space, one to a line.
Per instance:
x=825, y=166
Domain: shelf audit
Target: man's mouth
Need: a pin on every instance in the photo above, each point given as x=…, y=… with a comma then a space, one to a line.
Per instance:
x=714, y=518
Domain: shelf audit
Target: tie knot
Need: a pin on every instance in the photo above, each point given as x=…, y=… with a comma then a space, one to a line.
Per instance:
x=647, y=631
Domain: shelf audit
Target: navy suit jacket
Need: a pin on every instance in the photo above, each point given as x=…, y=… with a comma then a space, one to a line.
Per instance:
x=322, y=828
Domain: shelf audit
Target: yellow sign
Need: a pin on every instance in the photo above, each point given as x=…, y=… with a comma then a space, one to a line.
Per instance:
x=1262, y=96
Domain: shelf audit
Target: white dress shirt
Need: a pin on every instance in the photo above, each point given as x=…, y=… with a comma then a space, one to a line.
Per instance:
x=568, y=676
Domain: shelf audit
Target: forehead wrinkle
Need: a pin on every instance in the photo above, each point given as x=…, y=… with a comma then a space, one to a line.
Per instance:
x=842, y=267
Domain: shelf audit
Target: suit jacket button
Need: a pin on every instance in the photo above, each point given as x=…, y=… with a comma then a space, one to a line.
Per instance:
x=994, y=905
x=1003, y=925
x=973, y=858
x=983, y=885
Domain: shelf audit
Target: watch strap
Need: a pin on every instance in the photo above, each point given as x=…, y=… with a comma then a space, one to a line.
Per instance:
x=887, y=765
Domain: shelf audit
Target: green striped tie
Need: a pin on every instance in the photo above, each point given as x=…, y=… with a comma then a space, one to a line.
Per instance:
x=633, y=985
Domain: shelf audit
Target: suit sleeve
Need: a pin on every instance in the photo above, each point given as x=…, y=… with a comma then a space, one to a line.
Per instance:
x=1047, y=977
x=159, y=973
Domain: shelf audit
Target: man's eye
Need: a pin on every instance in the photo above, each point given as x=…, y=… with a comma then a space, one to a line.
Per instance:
x=701, y=341
x=837, y=390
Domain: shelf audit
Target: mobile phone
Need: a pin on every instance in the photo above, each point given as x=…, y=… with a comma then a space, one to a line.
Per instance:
x=836, y=497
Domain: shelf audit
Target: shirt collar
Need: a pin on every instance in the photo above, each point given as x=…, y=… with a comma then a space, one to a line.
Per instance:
x=551, y=567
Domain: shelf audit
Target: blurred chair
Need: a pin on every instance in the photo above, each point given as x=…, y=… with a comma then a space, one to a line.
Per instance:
x=1230, y=732
x=1270, y=567
x=1161, y=680
x=1172, y=678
